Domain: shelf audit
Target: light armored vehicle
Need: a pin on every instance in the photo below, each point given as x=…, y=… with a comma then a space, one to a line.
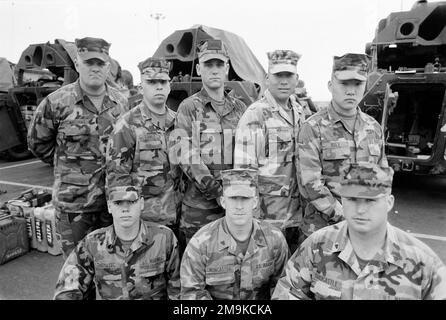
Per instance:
x=406, y=87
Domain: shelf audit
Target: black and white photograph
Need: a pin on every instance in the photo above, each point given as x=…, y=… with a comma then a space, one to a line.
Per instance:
x=243, y=151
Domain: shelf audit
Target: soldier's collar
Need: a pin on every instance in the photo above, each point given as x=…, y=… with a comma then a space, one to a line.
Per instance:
x=143, y=237
x=273, y=103
x=110, y=239
x=206, y=96
x=392, y=249
x=363, y=115
x=145, y=111
x=226, y=96
x=110, y=93
x=79, y=93
x=147, y=115
x=334, y=117
x=393, y=252
x=258, y=235
x=293, y=105
x=224, y=238
x=340, y=242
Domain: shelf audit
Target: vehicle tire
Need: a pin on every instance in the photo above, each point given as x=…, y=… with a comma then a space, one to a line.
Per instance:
x=20, y=152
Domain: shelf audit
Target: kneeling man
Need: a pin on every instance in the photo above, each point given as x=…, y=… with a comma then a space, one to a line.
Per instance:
x=363, y=257
x=131, y=259
x=235, y=257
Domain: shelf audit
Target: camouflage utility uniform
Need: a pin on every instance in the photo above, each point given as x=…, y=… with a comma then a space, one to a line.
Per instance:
x=326, y=145
x=326, y=267
x=138, y=155
x=210, y=268
x=328, y=141
x=266, y=140
x=69, y=131
x=209, y=144
x=148, y=270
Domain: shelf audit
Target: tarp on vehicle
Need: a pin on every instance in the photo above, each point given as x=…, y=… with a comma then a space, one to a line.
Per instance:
x=243, y=60
x=69, y=47
x=7, y=79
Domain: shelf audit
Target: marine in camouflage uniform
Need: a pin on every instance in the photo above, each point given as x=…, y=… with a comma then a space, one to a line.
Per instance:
x=266, y=139
x=329, y=140
x=219, y=264
x=148, y=269
x=205, y=128
x=327, y=264
x=71, y=131
x=138, y=148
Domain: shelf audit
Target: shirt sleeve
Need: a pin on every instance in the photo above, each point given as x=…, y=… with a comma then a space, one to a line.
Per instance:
x=42, y=132
x=189, y=152
x=313, y=186
x=282, y=254
x=173, y=269
x=435, y=286
x=120, y=156
x=249, y=149
x=193, y=275
x=295, y=284
x=77, y=274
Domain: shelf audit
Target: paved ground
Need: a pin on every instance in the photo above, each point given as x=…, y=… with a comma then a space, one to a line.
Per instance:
x=420, y=208
x=32, y=276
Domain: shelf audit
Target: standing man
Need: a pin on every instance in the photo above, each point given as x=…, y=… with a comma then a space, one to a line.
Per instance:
x=206, y=122
x=138, y=148
x=363, y=257
x=333, y=137
x=266, y=140
x=71, y=129
x=236, y=257
x=131, y=259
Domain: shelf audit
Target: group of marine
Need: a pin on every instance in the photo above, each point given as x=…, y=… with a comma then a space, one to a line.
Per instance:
x=223, y=201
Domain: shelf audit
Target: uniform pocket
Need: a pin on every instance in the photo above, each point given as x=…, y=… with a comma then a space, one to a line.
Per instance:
x=218, y=279
x=152, y=156
x=153, y=272
x=281, y=144
x=262, y=272
x=374, y=149
x=76, y=178
x=338, y=150
x=74, y=187
x=78, y=139
x=211, y=144
x=109, y=276
x=324, y=291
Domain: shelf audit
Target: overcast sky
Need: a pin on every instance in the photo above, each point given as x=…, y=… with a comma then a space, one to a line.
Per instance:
x=316, y=29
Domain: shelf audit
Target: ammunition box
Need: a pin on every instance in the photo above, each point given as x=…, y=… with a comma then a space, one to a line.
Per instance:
x=13, y=239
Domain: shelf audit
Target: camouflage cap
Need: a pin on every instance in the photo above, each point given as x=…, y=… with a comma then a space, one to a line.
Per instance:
x=90, y=48
x=213, y=49
x=129, y=193
x=351, y=66
x=282, y=61
x=365, y=180
x=155, y=68
x=240, y=182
